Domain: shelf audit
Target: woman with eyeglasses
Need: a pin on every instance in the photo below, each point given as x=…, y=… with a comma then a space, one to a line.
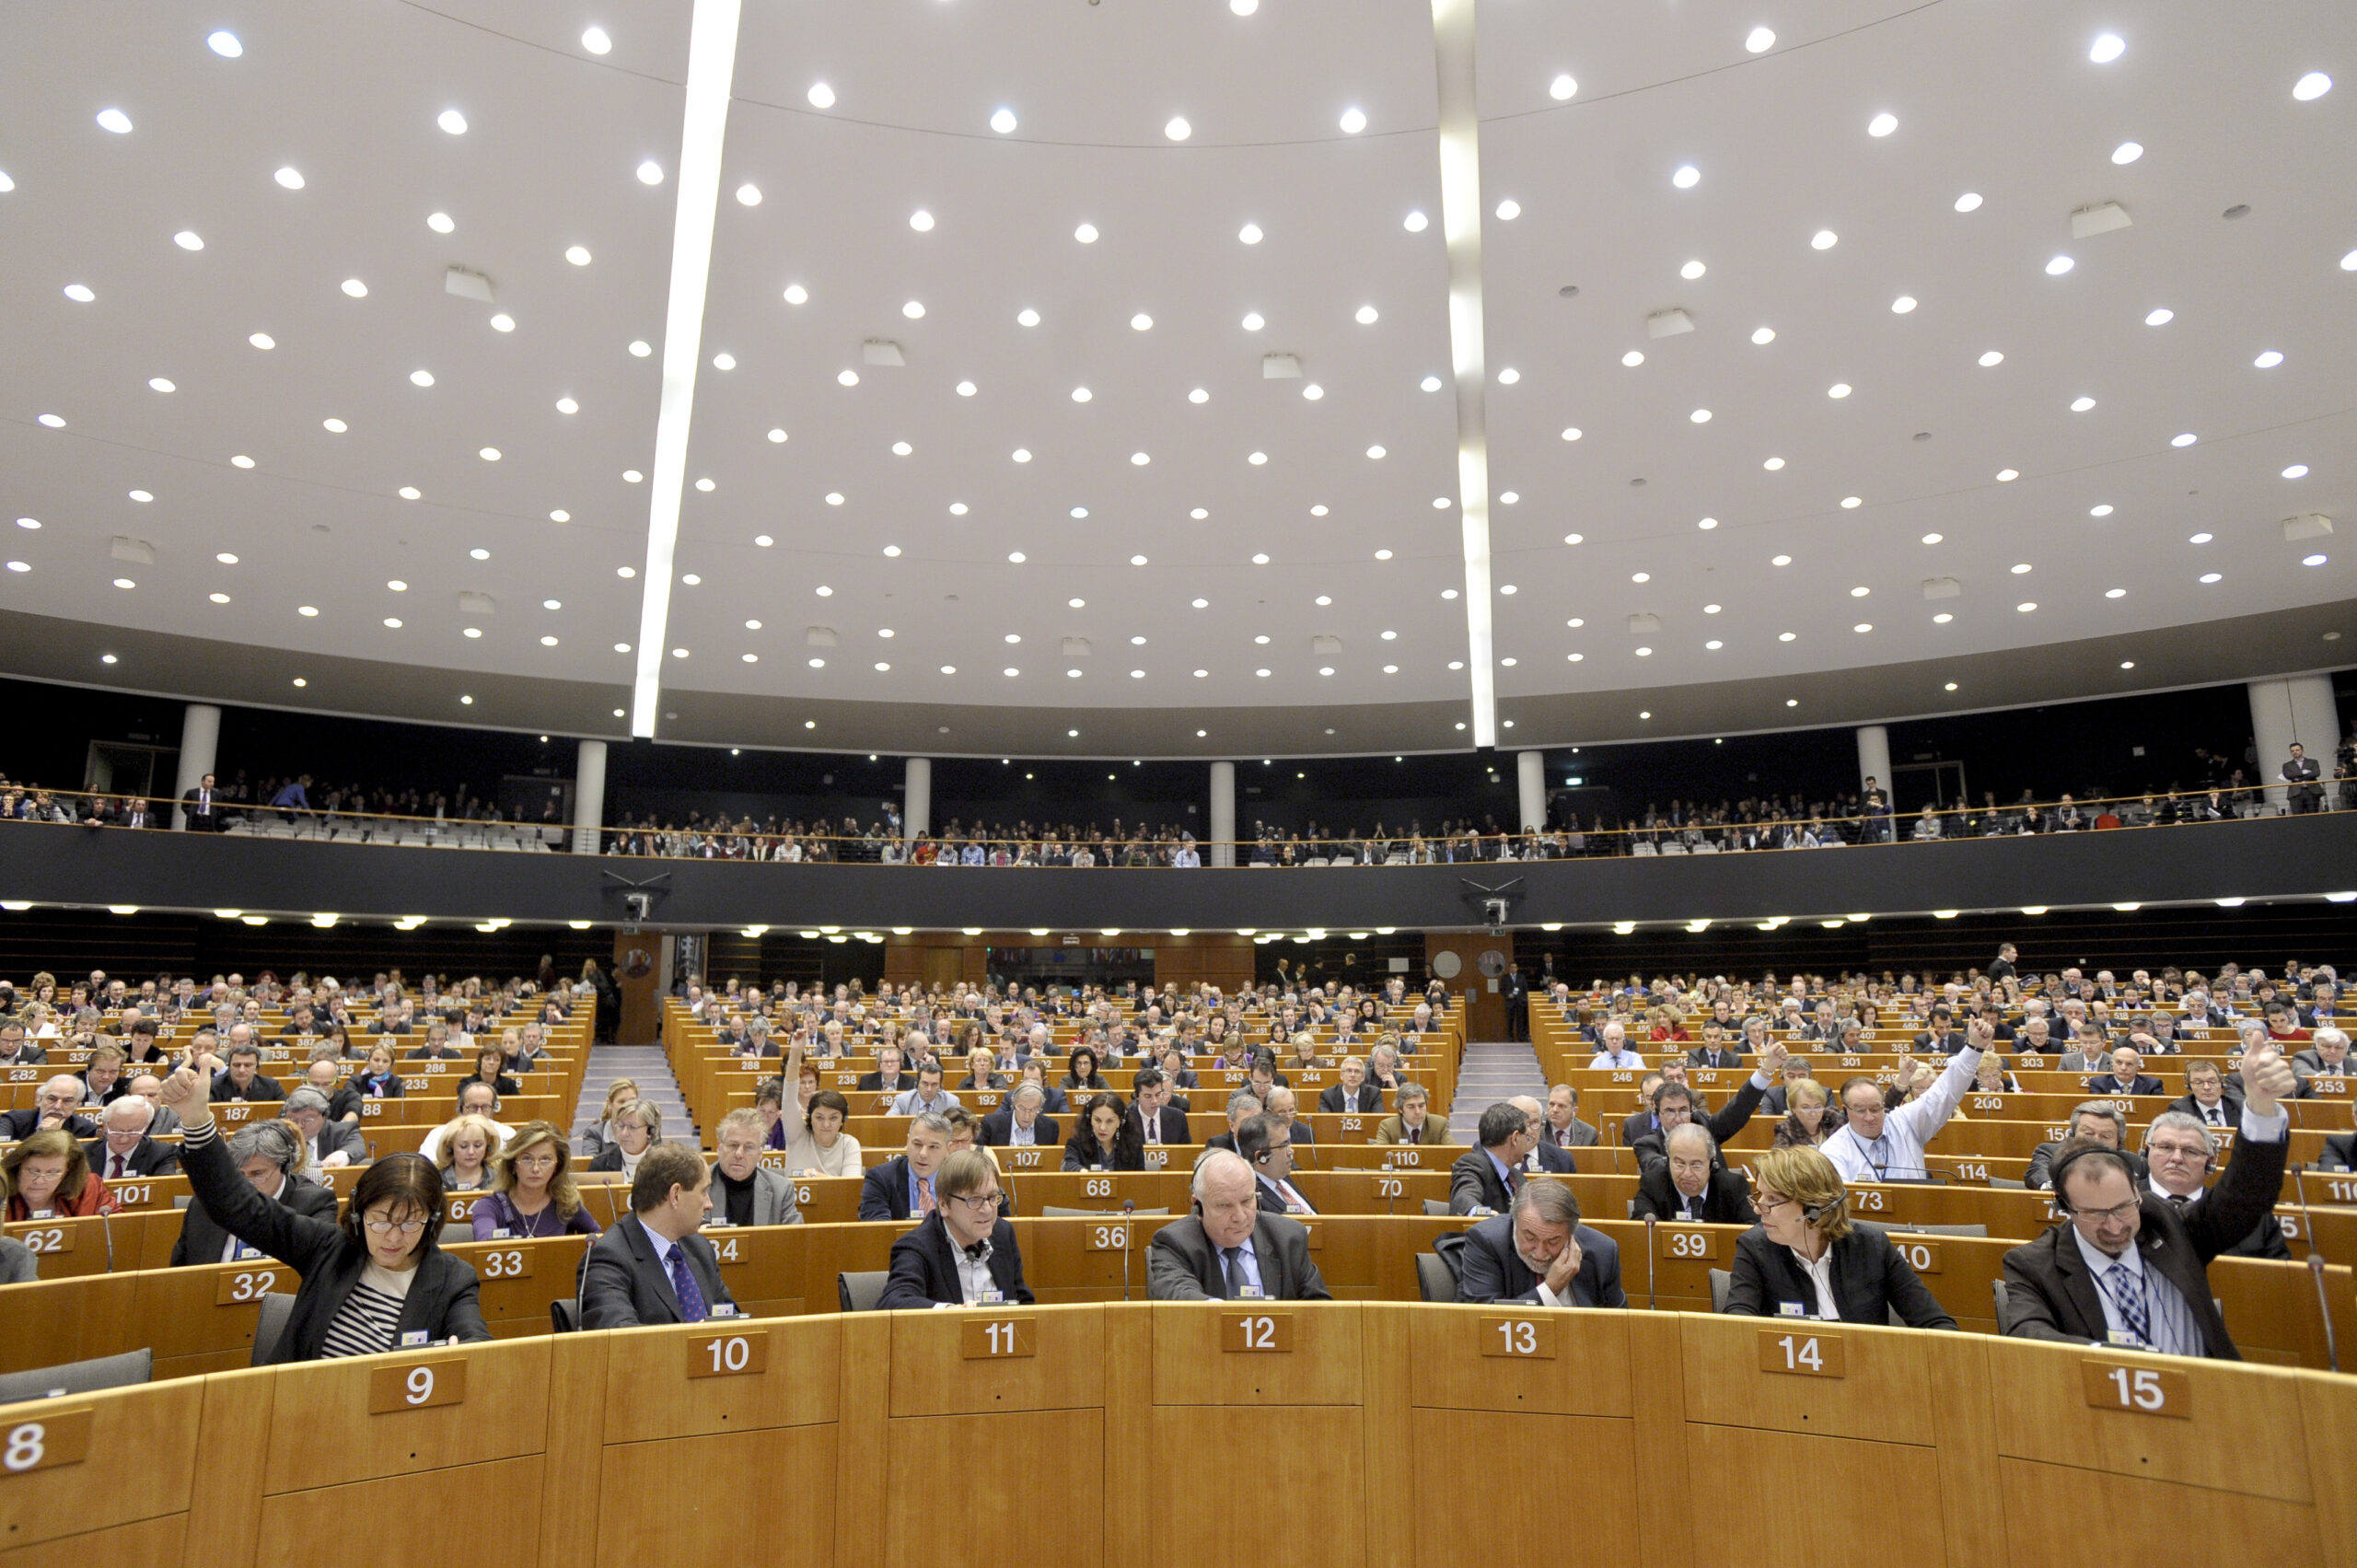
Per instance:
x=374, y=1282
x=532, y=1192
x=1808, y=1259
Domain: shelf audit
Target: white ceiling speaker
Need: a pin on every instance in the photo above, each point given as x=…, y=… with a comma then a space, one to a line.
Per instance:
x=2307, y=525
x=1644, y=624
x=1941, y=587
x=136, y=551
x=467, y=284
x=881, y=350
x=471, y=603
x=1324, y=645
x=1280, y=368
x=2100, y=218
x=1668, y=323
x=820, y=636
x=1076, y=647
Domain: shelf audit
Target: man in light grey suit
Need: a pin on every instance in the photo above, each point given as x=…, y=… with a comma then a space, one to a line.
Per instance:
x=742, y=1191
x=1229, y=1250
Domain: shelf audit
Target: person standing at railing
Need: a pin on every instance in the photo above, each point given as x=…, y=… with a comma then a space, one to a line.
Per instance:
x=2301, y=771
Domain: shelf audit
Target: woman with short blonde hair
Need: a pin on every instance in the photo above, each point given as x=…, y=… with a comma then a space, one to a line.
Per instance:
x=1808, y=1259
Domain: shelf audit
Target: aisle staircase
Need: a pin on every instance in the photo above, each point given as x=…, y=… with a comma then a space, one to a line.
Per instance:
x=645, y=1066
x=1489, y=1074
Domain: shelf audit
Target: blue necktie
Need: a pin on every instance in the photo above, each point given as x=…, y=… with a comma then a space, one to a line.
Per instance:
x=683, y=1282
x=2130, y=1302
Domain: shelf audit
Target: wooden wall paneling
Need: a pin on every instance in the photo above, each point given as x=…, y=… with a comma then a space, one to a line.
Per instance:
x=572, y=1523
x=1485, y=1009
x=225, y=1514
x=867, y=1465
x=384, y=1514
x=1664, y=1501
x=158, y=1541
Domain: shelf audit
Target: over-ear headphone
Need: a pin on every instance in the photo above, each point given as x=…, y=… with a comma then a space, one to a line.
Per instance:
x=2087, y=1150
x=355, y=1220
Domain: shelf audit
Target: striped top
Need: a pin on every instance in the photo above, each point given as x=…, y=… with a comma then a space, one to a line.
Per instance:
x=369, y=1321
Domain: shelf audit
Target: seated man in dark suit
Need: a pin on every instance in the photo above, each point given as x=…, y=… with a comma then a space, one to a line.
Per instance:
x=1537, y=1254
x=2096, y=1121
x=267, y=1156
x=1151, y=1112
x=2326, y=1055
x=2127, y=1076
x=1692, y=1186
x=1542, y=1158
x=2181, y=1152
x=1242, y=1105
x=1485, y=1178
x=1674, y=1105
x=654, y=1266
x=15, y=1051
x=1018, y=1124
x=1266, y=1145
x=887, y=1079
x=2207, y=1099
x=1229, y=1249
x=2339, y=1151
x=964, y=1254
x=2129, y=1269
x=123, y=1150
x=1640, y=1121
x=904, y=1185
x=1562, y=1126
x=57, y=1103
x=242, y=1078
x=334, y=1142
x=1354, y=1095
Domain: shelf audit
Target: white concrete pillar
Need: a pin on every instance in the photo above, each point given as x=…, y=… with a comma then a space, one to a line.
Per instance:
x=1530, y=773
x=1873, y=758
x=589, y=796
x=2298, y=707
x=916, y=798
x=1222, y=815
x=199, y=741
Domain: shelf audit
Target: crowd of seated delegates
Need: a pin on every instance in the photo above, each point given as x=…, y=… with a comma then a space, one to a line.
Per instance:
x=792, y=841
x=289, y=798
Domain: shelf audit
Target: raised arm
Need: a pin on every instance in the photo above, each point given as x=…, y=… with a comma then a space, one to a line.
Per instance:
x=296, y=1240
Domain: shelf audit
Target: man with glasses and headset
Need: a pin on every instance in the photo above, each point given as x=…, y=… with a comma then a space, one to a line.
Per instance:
x=1266, y=1144
x=2128, y=1267
x=964, y=1254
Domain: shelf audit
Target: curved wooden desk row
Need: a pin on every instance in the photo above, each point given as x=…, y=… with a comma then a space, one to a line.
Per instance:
x=201, y=1318
x=1359, y=1435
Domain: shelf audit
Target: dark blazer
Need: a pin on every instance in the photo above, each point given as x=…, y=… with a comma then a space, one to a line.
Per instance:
x=1473, y=1183
x=258, y=1087
x=1170, y=1123
x=998, y=1128
x=1871, y=1281
x=1265, y=1197
x=1334, y=1097
x=624, y=1286
x=2052, y=1297
x=1494, y=1270
x=202, y=1239
x=884, y=1191
x=442, y=1302
x=1703, y=1056
x=873, y=1082
x=339, y=1137
x=2340, y=1149
x=2143, y=1084
x=26, y=1122
x=1652, y=1149
x=925, y=1268
x=1578, y=1135
x=2230, y=1104
x=1726, y=1200
x=1183, y=1265
x=150, y=1158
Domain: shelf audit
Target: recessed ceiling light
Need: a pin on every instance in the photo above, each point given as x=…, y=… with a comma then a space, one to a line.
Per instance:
x=1692, y=271
x=1414, y=222
x=2212, y=576
x=289, y=177
x=1990, y=360
x=2268, y=360
x=2007, y=476
x=650, y=173
x=797, y=294
x=114, y=119
x=2127, y=152
x=1902, y=305
x=2025, y=609
x=2186, y=438
x=2312, y=560
x=2102, y=510
x=2348, y=263
x=1779, y=561
x=439, y=223
x=2297, y=471
x=594, y=41
x=1852, y=503
x=189, y=239
x=1703, y=416
x=1509, y=209
x=225, y=43
x=1177, y=129
x=1086, y=234
x=1760, y=41
x=1882, y=124
x=1254, y=321
x=1002, y=122
x=1561, y=88
x=488, y=453
x=628, y=572
x=2160, y=317
x=2081, y=405
x=1824, y=240
x=1839, y=390
x=1448, y=593
x=355, y=288
x=2313, y=86
x=1942, y=619
x=158, y=383
x=241, y=461
x=957, y=508
x=1969, y=202
x=821, y=96
x=394, y=621
x=2059, y=265
x=2107, y=48
x=1354, y=120
x=453, y=121
x=1687, y=177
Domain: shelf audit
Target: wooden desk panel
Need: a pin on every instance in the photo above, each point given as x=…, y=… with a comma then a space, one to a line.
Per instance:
x=392, y=1531
x=1195, y=1362
x=660, y=1401
x=1065, y=1370
x=1880, y=1397
x=322, y=1436
x=143, y=1433
x=1587, y=1373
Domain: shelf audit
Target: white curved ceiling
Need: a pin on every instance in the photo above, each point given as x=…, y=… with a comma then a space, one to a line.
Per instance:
x=1995, y=99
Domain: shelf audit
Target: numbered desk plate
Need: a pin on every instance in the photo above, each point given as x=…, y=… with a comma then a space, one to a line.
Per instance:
x=741, y=1354
x=1256, y=1332
x=417, y=1385
x=1823, y=1354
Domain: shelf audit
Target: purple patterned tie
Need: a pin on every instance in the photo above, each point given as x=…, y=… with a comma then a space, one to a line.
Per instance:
x=683, y=1282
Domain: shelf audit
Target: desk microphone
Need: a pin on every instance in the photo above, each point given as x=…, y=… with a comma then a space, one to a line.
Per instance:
x=2316, y=1271
x=1649, y=1264
x=1129, y=1240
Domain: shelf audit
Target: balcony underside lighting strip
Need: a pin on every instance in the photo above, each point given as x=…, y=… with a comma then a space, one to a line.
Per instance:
x=1460, y=203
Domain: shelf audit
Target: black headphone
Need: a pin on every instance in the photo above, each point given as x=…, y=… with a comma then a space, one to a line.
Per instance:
x=1817, y=1214
x=356, y=1221
x=2061, y=1168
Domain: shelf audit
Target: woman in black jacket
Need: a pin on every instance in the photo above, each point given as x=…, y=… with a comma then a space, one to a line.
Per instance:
x=374, y=1282
x=1805, y=1248
x=1106, y=1140
x=1082, y=1078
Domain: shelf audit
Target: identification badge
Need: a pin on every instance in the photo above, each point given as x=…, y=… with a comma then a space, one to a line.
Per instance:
x=2124, y=1339
x=720, y=1224
x=501, y=1233
x=1296, y=1209
x=413, y=1337
x=992, y=1298
x=1791, y=1310
x=1250, y=1292
x=245, y=1252
x=726, y=1309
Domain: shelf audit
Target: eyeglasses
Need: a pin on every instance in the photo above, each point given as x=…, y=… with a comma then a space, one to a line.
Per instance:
x=2105, y=1216
x=976, y=1203
x=386, y=1227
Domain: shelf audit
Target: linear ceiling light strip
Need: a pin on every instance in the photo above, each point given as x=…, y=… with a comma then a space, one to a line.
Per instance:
x=1460, y=206
x=712, y=68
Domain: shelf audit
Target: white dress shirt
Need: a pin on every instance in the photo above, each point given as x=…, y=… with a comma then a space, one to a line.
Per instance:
x=1898, y=1155
x=973, y=1273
